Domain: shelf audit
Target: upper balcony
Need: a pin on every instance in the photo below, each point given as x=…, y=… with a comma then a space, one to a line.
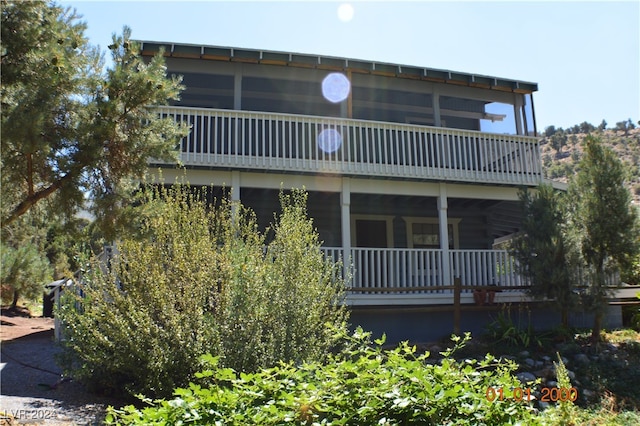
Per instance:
x=299, y=113
x=292, y=143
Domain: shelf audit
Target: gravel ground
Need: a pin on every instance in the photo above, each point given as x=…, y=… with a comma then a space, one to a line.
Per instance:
x=32, y=390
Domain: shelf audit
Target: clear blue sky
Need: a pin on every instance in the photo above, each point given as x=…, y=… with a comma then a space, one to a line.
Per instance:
x=585, y=56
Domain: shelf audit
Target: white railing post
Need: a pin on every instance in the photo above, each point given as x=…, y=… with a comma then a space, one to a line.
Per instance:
x=345, y=216
x=444, y=236
x=57, y=324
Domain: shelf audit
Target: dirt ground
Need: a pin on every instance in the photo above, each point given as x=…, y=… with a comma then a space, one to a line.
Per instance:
x=15, y=325
x=32, y=388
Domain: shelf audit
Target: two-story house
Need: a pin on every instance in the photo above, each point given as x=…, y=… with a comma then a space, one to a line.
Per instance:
x=412, y=173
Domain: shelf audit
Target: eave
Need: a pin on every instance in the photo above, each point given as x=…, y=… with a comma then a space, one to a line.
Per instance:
x=290, y=59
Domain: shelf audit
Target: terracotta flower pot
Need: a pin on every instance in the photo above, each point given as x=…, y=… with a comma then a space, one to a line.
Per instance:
x=480, y=296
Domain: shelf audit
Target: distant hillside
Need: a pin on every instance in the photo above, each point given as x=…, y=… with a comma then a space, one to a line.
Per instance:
x=562, y=149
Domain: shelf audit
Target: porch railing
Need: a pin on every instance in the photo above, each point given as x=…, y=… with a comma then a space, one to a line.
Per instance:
x=382, y=270
x=297, y=143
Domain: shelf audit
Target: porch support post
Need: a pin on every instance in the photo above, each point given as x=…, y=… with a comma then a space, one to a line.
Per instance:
x=346, y=106
x=237, y=87
x=436, y=109
x=447, y=273
x=443, y=221
x=345, y=215
x=235, y=192
x=517, y=112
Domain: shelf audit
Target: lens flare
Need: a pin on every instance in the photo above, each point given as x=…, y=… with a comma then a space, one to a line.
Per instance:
x=336, y=87
x=345, y=12
x=329, y=140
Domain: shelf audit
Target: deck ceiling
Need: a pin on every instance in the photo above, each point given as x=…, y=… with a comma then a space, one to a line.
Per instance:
x=502, y=217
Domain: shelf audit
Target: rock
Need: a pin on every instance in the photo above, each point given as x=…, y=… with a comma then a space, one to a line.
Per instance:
x=435, y=349
x=552, y=383
x=587, y=394
x=538, y=364
x=571, y=375
x=542, y=374
x=581, y=359
x=543, y=405
x=547, y=373
x=530, y=362
x=524, y=354
x=526, y=377
x=565, y=347
x=546, y=359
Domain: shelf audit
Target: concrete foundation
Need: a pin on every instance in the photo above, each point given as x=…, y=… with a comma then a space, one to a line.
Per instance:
x=432, y=323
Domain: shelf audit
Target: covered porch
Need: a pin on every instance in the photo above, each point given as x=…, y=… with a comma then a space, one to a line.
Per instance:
x=419, y=277
x=412, y=248
x=405, y=242
x=415, y=251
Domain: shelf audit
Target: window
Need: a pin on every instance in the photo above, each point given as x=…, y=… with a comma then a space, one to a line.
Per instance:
x=424, y=233
x=372, y=231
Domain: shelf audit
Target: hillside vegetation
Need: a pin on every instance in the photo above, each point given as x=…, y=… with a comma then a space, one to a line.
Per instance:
x=561, y=150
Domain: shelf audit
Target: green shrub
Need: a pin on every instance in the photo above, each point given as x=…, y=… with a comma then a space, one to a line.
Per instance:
x=276, y=297
x=631, y=272
x=635, y=320
x=198, y=280
x=564, y=412
x=503, y=330
x=360, y=385
x=631, y=315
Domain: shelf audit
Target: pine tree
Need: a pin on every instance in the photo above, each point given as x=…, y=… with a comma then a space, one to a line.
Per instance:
x=605, y=224
x=543, y=251
x=24, y=272
x=70, y=128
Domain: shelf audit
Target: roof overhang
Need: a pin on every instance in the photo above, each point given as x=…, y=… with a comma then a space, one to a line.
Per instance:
x=269, y=57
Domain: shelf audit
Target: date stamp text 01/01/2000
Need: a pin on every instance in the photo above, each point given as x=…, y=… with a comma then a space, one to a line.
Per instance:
x=23, y=414
x=525, y=394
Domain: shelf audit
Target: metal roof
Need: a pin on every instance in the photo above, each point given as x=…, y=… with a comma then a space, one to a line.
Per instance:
x=232, y=54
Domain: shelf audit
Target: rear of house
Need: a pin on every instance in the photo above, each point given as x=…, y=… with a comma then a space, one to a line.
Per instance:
x=412, y=173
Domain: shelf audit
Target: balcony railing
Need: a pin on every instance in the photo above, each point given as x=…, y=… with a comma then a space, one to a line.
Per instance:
x=419, y=276
x=309, y=144
x=383, y=270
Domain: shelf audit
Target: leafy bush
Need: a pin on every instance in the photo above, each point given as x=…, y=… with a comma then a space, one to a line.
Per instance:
x=635, y=320
x=564, y=412
x=559, y=170
x=631, y=273
x=360, y=385
x=201, y=280
x=503, y=330
x=275, y=298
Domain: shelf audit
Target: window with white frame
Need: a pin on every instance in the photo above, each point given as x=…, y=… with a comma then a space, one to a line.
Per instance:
x=372, y=231
x=424, y=232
